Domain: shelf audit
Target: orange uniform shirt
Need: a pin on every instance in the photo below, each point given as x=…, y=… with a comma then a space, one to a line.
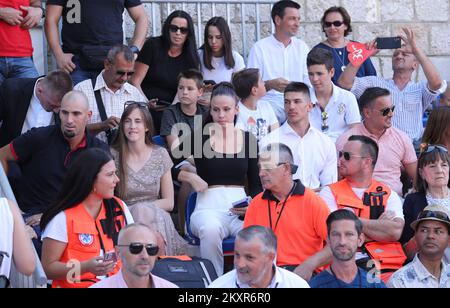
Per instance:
x=301, y=230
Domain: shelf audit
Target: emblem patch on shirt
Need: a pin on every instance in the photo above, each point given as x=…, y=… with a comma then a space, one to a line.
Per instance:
x=86, y=239
x=341, y=108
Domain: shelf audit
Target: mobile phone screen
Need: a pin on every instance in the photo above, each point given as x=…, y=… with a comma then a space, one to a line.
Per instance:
x=389, y=42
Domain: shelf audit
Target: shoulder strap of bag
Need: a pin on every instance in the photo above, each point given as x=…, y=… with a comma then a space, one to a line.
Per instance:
x=99, y=101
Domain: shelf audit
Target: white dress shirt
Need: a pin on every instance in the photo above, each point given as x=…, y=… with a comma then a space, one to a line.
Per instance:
x=36, y=115
x=314, y=154
x=274, y=60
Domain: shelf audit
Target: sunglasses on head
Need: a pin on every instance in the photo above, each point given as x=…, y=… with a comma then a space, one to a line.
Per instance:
x=136, y=248
x=174, y=29
x=336, y=23
x=348, y=156
x=131, y=103
x=387, y=110
x=434, y=147
x=433, y=214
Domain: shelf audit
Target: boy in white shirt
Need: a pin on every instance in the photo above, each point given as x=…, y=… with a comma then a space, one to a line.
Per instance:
x=254, y=116
x=335, y=109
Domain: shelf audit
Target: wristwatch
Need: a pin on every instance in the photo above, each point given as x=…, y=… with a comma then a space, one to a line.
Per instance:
x=134, y=49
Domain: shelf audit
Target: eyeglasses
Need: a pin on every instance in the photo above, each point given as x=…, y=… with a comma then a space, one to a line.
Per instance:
x=348, y=156
x=131, y=103
x=387, y=110
x=174, y=29
x=270, y=166
x=336, y=23
x=433, y=214
x=136, y=248
x=434, y=147
x=122, y=73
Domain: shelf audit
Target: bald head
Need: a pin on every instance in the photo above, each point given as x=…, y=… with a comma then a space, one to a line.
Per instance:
x=76, y=97
x=136, y=232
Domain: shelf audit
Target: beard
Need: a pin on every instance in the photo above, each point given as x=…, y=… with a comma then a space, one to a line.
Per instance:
x=344, y=256
x=69, y=134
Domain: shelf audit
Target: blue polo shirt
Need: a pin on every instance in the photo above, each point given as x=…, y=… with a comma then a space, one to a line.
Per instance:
x=44, y=156
x=326, y=280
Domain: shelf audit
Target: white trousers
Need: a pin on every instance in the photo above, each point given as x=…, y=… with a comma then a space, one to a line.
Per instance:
x=212, y=226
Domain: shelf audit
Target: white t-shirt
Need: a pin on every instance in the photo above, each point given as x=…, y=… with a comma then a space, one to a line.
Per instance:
x=256, y=121
x=274, y=60
x=57, y=227
x=221, y=72
x=6, y=236
x=342, y=110
x=314, y=154
x=394, y=203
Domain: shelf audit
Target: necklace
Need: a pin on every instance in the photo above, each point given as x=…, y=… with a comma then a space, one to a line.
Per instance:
x=338, y=54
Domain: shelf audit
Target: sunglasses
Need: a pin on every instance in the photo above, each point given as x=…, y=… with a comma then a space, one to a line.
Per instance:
x=136, y=248
x=348, y=156
x=4, y=282
x=270, y=166
x=433, y=214
x=387, y=110
x=122, y=73
x=174, y=29
x=336, y=23
x=324, y=116
x=131, y=103
x=434, y=147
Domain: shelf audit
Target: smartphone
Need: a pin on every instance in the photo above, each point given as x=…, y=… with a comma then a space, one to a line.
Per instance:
x=110, y=256
x=389, y=42
x=241, y=203
x=209, y=82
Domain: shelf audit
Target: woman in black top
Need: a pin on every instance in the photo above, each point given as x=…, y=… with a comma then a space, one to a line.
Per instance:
x=226, y=159
x=163, y=58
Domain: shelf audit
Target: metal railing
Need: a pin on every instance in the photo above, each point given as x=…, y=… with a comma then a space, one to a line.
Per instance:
x=169, y=7
x=18, y=280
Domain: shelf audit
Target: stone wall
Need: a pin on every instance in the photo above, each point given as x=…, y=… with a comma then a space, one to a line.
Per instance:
x=370, y=18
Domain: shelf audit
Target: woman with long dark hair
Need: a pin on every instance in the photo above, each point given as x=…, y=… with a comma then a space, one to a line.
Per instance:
x=145, y=176
x=162, y=58
x=81, y=227
x=218, y=60
x=432, y=187
x=437, y=130
x=226, y=160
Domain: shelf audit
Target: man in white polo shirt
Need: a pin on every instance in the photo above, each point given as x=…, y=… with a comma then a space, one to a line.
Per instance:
x=313, y=151
x=254, y=261
x=411, y=99
x=281, y=57
x=335, y=110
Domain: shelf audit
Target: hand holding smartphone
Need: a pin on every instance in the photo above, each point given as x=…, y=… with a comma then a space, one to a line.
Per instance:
x=389, y=42
x=110, y=256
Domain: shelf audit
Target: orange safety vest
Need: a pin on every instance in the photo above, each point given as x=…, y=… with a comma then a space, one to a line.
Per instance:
x=390, y=255
x=86, y=239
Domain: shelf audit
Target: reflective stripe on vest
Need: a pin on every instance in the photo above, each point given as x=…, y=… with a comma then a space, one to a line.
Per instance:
x=86, y=239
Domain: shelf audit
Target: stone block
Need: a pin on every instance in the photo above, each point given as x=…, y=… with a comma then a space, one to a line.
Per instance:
x=316, y=8
x=362, y=11
x=438, y=10
x=440, y=44
x=398, y=10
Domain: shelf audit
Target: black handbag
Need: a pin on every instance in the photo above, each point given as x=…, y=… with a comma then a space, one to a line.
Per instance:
x=92, y=57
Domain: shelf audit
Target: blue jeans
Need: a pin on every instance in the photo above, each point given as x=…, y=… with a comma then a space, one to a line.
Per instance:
x=17, y=68
x=78, y=75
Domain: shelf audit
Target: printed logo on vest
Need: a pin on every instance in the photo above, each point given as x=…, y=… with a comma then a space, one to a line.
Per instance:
x=86, y=239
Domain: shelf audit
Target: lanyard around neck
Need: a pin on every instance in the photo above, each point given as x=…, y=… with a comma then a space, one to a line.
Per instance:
x=282, y=208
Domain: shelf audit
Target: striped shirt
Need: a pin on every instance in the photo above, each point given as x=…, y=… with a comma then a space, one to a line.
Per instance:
x=410, y=103
x=113, y=101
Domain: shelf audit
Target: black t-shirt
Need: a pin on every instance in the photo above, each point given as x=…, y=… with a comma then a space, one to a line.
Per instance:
x=44, y=157
x=100, y=22
x=161, y=79
x=174, y=115
x=223, y=169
